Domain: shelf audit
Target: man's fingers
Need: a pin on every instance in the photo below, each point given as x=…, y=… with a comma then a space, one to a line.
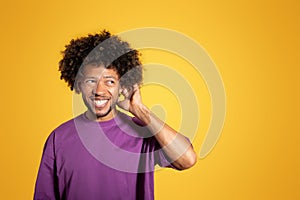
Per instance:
x=135, y=87
x=125, y=93
x=128, y=92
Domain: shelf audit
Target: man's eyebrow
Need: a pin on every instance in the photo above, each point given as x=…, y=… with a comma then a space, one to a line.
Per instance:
x=109, y=76
x=91, y=77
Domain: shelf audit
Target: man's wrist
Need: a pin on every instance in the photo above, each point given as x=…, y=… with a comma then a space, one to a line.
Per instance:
x=142, y=113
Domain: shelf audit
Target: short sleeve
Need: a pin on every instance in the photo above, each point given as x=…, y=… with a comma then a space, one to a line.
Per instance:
x=160, y=156
x=46, y=183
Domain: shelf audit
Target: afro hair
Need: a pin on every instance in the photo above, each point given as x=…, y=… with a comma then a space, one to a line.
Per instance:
x=101, y=49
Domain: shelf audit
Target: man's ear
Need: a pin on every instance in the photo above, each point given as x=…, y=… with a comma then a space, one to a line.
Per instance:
x=120, y=90
x=77, y=87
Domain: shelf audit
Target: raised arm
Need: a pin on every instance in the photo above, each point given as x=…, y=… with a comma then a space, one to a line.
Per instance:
x=175, y=145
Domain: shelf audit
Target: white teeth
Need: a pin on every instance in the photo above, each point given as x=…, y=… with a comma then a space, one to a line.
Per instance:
x=100, y=102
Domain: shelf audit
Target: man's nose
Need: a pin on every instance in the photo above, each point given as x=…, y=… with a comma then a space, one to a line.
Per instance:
x=100, y=89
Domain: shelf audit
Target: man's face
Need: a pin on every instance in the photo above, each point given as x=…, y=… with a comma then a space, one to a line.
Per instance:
x=100, y=89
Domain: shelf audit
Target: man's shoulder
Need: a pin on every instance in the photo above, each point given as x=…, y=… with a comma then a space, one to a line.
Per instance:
x=131, y=119
x=67, y=128
x=69, y=124
x=64, y=132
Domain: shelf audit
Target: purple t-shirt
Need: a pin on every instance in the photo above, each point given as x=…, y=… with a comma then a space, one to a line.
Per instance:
x=90, y=160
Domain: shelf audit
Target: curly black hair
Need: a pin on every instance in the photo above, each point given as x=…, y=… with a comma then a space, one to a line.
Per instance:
x=101, y=49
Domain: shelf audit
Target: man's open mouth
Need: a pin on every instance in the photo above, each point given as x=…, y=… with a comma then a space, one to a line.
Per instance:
x=100, y=103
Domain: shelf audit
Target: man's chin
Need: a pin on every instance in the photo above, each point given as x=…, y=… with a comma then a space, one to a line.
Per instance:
x=103, y=114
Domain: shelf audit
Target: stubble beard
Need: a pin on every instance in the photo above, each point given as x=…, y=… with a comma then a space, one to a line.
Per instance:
x=105, y=114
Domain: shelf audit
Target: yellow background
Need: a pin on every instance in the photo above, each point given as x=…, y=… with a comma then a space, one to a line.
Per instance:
x=255, y=45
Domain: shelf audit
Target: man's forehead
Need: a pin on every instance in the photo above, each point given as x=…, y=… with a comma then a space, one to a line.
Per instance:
x=99, y=71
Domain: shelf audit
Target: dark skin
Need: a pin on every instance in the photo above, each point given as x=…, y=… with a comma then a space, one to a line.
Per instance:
x=100, y=90
x=174, y=144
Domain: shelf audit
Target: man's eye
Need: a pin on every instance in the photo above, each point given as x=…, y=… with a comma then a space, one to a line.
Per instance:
x=90, y=81
x=110, y=82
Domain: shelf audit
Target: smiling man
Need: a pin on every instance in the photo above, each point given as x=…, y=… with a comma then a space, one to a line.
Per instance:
x=100, y=90
x=105, y=153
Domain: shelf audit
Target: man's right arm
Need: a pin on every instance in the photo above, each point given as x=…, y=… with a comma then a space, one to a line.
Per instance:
x=46, y=184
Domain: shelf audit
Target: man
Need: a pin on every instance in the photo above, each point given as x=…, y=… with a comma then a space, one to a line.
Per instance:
x=104, y=153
